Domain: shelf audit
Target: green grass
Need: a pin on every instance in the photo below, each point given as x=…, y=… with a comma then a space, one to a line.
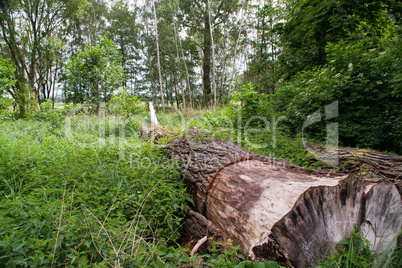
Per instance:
x=355, y=252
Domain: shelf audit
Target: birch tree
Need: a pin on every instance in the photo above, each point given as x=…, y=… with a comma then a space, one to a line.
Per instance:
x=158, y=56
x=211, y=31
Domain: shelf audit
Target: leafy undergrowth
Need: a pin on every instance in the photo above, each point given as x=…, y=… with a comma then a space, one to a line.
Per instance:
x=84, y=195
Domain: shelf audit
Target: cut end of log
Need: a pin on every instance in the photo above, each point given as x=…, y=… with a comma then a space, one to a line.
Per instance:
x=292, y=216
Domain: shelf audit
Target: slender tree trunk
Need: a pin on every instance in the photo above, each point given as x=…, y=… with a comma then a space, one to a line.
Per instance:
x=273, y=41
x=153, y=90
x=235, y=52
x=224, y=64
x=187, y=76
x=158, y=56
x=213, y=53
x=206, y=63
x=176, y=94
x=53, y=88
x=178, y=57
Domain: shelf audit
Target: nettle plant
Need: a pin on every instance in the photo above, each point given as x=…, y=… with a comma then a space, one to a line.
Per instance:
x=75, y=200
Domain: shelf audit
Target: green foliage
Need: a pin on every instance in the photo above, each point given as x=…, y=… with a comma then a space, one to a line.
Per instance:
x=7, y=78
x=249, y=100
x=125, y=105
x=355, y=251
x=350, y=252
x=223, y=255
x=364, y=78
x=263, y=69
x=257, y=129
x=124, y=31
x=265, y=264
x=73, y=196
x=220, y=255
x=94, y=74
x=311, y=25
x=5, y=104
x=47, y=113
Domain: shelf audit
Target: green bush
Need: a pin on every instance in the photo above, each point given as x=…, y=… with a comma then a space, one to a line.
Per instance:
x=5, y=113
x=125, y=105
x=257, y=130
x=364, y=76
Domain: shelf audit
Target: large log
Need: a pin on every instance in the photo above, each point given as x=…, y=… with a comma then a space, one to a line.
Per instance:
x=368, y=164
x=279, y=211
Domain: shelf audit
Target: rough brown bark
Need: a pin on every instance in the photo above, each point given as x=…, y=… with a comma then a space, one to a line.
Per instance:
x=206, y=63
x=279, y=211
x=369, y=165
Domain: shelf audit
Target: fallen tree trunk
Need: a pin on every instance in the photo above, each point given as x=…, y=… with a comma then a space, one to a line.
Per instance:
x=368, y=164
x=279, y=211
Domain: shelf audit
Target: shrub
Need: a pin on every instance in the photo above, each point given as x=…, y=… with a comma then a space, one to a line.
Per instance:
x=364, y=77
x=5, y=113
x=125, y=105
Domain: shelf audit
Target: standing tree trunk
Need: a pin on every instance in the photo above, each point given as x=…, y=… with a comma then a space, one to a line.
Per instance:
x=158, y=57
x=224, y=63
x=235, y=53
x=187, y=78
x=206, y=63
x=178, y=57
x=211, y=31
x=153, y=89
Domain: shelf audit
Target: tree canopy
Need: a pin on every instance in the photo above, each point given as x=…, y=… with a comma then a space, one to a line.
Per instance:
x=94, y=74
x=193, y=54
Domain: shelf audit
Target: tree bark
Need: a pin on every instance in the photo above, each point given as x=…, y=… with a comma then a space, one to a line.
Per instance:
x=279, y=211
x=158, y=57
x=178, y=57
x=213, y=53
x=206, y=63
x=232, y=83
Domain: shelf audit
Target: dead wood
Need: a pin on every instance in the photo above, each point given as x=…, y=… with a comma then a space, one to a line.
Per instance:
x=279, y=211
x=366, y=164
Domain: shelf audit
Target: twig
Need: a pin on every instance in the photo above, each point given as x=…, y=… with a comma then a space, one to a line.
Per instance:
x=60, y=217
x=107, y=234
x=93, y=241
x=198, y=245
